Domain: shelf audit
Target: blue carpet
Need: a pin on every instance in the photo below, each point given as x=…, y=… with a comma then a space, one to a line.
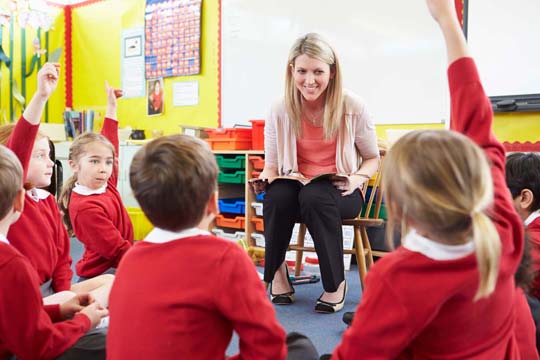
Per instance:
x=324, y=330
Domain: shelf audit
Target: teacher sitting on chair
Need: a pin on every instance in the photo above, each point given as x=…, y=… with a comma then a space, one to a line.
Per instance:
x=317, y=128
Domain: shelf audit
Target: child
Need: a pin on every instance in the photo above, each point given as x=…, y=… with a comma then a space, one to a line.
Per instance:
x=188, y=289
x=26, y=330
x=523, y=180
x=48, y=248
x=91, y=204
x=448, y=291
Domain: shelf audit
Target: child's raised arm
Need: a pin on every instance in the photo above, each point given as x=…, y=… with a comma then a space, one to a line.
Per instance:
x=110, y=126
x=21, y=140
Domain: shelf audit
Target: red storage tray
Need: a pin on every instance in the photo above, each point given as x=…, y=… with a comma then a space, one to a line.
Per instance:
x=258, y=223
x=235, y=222
x=257, y=161
x=257, y=138
x=228, y=144
x=230, y=134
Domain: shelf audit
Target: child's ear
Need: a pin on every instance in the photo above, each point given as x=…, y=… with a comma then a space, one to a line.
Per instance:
x=526, y=199
x=73, y=165
x=212, y=207
x=18, y=202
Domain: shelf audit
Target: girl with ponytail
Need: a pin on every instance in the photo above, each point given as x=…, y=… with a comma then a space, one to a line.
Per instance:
x=91, y=204
x=448, y=291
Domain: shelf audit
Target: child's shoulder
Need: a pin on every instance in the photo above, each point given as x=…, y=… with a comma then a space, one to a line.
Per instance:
x=9, y=254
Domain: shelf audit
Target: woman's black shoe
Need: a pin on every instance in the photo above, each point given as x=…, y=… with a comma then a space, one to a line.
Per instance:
x=326, y=307
x=286, y=298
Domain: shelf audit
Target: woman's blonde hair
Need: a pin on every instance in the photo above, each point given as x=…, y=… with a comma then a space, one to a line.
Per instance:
x=76, y=151
x=313, y=45
x=441, y=181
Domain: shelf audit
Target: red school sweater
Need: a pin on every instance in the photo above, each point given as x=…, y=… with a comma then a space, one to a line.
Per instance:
x=533, y=232
x=26, y=329
x=40, y=234
x=100, y=221
x=182, y=300
x=414, y=307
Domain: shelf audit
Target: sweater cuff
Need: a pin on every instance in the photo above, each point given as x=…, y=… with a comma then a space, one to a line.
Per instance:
x=462, y=71
x=109, y=125
x=84, y=320
x=53, y=311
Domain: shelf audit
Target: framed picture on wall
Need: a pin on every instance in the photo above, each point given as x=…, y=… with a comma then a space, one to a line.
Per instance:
x=133, y=46
x=154, y=91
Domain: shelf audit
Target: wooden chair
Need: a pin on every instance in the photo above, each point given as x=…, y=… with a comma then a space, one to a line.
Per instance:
x=361, y=246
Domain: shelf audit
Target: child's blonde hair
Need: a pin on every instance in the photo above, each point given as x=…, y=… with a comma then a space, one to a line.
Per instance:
x=76, y=151
x=11, y=180
x=313, y=45
x=441, y=181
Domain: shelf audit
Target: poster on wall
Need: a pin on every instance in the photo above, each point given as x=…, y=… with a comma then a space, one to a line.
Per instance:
x=155, y=96
x=133, y=77
x=172, y=38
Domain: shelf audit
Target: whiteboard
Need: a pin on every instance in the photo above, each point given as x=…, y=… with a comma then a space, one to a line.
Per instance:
x=391, y=52
x=505, y=42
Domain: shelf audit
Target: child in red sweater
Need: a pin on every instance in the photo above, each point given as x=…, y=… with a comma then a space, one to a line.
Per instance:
x=28, y=329
x=188, y=288
x=523, y=180
x=448, y=291
x=40, y=234
x=91, y=204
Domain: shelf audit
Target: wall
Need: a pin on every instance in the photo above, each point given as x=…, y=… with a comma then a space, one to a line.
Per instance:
x=56, y=39
x=96, y=58
x=97, y=28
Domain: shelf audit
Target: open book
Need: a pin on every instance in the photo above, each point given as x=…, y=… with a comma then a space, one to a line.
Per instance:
x=302, y=179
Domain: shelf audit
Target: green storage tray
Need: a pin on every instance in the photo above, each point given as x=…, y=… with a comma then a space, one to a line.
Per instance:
x=231, y=161
x=237, y=177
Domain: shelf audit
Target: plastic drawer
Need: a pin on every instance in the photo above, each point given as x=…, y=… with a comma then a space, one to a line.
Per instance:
x=258, y=208
x=231, y=162
x=257, y=161
x=257, y=138
x=232, y=206
x=228, y=144
x=230, y=134
x=259, y=239
x=237, y=235
x=236, y=177
x=234, y=222
x=258, y=223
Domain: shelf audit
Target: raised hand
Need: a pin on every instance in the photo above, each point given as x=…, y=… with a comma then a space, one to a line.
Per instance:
x=47, y=79
x=442, y=10
x=112, y=104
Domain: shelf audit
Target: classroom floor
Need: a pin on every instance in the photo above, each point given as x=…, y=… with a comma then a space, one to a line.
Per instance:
x=324, y=330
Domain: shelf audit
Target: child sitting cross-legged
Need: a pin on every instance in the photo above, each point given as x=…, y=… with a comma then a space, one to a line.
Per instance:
x=188, y=288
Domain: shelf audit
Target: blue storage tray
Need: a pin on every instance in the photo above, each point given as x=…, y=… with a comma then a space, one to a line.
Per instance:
x=232, y=206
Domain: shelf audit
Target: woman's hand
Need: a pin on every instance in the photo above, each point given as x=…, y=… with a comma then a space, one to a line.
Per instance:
x=348, y=184
x=47, y=78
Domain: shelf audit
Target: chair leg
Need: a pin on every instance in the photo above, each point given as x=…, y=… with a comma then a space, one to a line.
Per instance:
x=367, y=247
x=360, y=255
x=299, y=253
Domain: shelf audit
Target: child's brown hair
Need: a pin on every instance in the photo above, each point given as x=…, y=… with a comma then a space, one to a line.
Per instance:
x=173, y=178
x=11, y=181
x=441, y=181
x=76, y=151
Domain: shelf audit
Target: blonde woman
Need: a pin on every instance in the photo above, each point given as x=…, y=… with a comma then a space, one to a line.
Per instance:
x=448, y=292
x=317, y=128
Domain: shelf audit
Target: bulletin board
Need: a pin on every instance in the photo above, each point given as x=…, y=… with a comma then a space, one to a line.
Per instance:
x=505, y=42
x=392, y=54
x=172, y=38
